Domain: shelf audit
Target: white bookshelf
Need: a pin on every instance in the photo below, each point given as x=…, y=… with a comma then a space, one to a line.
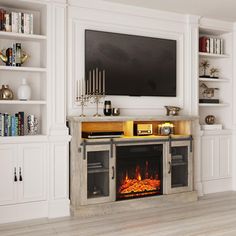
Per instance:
x=34, y=69
x=223, y=62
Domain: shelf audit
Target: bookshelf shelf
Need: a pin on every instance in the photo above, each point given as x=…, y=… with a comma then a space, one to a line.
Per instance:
x=18, y=36
x=212, y=80
x=26, y=69
x=213, y=104
x=212, y=55
x=18, y=102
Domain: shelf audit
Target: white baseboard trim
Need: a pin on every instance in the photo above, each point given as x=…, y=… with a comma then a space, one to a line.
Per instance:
x=59, y=208
x=26, y=211
x=218, y=185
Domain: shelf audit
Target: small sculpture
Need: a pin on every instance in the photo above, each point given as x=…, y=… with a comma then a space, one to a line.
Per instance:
x=210, y=119
x=204, y=65
x=208, y=92
x=172, y=110
x=6, y=93
x=214, y=72
x=4, y=56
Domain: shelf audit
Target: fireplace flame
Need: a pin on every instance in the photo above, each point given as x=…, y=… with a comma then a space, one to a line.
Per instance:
x=138, y=184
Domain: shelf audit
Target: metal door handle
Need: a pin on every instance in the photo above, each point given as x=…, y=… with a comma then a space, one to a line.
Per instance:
x=20, y=176
x=15, y=176
x=113, y=172
x=169, y=167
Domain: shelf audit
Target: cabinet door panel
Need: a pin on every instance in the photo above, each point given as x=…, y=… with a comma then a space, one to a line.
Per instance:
x=32, y=163
x=210, y=157
x=7, y=165
x=225, y=156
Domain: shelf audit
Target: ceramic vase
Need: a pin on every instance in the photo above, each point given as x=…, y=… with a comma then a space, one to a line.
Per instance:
x=24, y=91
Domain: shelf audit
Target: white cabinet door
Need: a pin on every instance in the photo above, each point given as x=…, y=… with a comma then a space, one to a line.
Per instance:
x=32, y=172
x=225, y=156
x=8, y=183
x=216, y=157
x=210, y=157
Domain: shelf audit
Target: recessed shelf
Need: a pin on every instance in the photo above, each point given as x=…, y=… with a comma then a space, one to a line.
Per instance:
x=21, y=68
x=212, y=80
x=18, y=102
x=17, y=36
x=204, y=54
x=98, y=170
x=213, y=104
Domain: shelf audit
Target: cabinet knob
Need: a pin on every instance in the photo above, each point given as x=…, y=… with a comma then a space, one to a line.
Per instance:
x=20, y=175
x=15, y=176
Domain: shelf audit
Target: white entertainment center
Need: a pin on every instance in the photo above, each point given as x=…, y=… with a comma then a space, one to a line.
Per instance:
x=56, y=63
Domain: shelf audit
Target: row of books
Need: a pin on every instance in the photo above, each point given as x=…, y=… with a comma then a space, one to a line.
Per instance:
x=16, y=22
x=12, y=125
x=211, y=45
x=14, y=55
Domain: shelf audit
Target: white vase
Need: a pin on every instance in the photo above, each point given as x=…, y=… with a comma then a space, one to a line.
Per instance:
x=24, y=91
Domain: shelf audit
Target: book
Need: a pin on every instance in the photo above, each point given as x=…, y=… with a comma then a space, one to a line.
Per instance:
x=13, y=123
x=21, y=123
x=31, y=23
x=14, y=22
x=7, y=22
x=1, y=124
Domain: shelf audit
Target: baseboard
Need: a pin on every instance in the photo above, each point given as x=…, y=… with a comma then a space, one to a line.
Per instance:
x=26, y=211
x=59, y=208
x=134, y=204
x=218, y=185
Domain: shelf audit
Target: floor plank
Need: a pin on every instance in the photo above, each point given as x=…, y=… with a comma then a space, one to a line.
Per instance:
x=212, y=215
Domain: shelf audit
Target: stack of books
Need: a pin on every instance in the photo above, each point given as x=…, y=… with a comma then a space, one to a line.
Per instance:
x=211, y=45
x=16, y=22
x=12, y=125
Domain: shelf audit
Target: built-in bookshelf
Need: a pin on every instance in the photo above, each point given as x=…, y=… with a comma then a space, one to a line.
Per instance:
x=220, y=59
x=33, y=42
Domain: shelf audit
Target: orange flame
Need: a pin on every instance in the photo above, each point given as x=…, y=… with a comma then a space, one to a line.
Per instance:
x=137, y=184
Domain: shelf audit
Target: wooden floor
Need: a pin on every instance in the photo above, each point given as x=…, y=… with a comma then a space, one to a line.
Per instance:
x=212, y=215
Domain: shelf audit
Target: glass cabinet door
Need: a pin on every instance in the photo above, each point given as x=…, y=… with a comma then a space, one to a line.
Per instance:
x=98, y=181
x=179, y=166
x=97, y=174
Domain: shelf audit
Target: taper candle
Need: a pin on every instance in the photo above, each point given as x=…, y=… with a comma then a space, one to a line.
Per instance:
x=90, y=84
x=100, y=82
x=94, y=81
x=103, y=77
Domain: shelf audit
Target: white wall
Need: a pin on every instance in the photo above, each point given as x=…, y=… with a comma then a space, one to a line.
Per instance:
x=98, y=15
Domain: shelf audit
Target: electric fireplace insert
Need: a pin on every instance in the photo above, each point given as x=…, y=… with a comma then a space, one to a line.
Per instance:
x=139, y=171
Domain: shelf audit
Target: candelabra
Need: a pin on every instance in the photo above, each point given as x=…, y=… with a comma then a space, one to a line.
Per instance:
x=82, y=97
x=96, y=87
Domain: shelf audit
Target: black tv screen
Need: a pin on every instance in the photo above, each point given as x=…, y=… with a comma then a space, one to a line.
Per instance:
x=134, y=65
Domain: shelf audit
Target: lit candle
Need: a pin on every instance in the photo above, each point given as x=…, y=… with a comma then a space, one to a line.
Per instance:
x=103, y=76
x=94, y=81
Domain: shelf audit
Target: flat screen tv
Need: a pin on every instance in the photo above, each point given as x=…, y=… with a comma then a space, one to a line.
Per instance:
x=134, y=65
